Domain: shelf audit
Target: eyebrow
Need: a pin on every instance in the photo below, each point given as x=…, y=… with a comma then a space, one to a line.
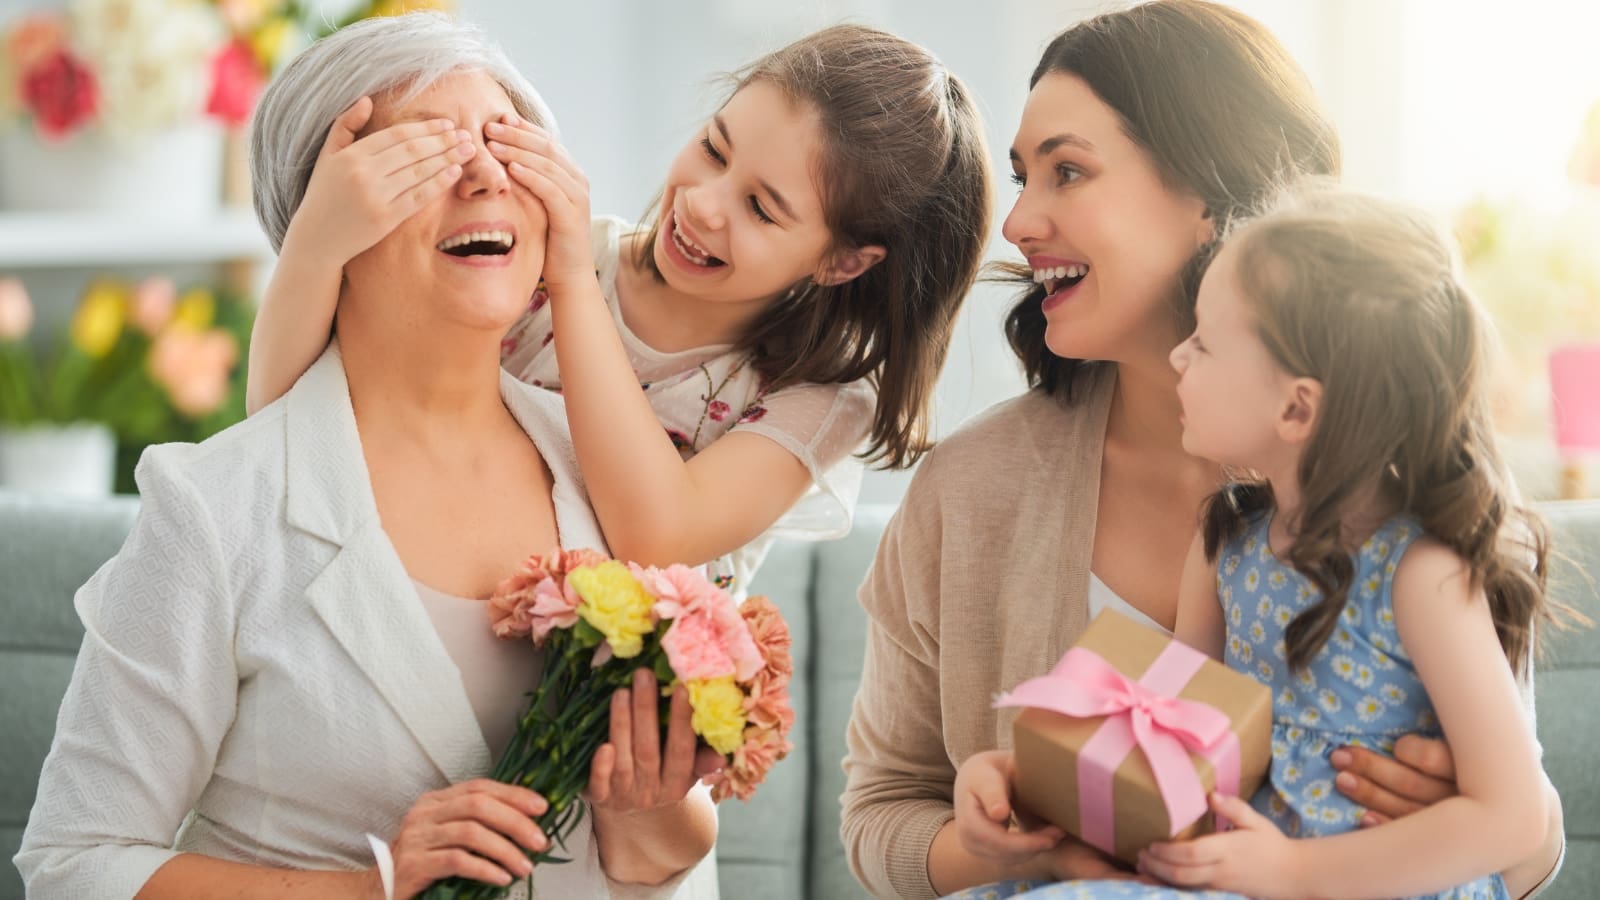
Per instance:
x=777, y=198
x=1049, y=145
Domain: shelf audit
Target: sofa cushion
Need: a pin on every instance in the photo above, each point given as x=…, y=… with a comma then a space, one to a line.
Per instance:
x=762, y=844
x=1569, y=674
x=48, y=547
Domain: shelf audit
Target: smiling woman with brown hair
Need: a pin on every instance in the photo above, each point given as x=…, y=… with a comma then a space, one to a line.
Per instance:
x=1145, y=132
x=291, y=650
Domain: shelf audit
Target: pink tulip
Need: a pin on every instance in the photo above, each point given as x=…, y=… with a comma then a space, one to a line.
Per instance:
x=16, y=311
x=154, y=301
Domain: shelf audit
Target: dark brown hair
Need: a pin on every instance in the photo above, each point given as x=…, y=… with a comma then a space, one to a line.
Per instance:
x=904, y=166
x=1216, y=103
x=1365, y=296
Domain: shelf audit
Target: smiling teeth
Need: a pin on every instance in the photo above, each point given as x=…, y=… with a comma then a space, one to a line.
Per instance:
x=503, y=238
x=1040, y=276
x=697, y=254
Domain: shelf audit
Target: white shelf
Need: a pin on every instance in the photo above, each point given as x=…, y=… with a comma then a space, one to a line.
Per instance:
x=77, y=240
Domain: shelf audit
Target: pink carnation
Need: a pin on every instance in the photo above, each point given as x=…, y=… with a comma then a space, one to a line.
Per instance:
x=770, y=633
x=535, y=599
x=236, y=81
x=707, y=633
x=762, y=749
x=767, y=703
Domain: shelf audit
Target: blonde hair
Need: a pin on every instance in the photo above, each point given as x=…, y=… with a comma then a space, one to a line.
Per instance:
x=1365, y=296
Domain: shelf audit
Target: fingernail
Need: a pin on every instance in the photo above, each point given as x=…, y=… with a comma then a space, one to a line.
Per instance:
x=496, y=128
x=524, y=867
x=1345, y=781
x=1340, y=758
x=504, y=878
x=463, y=135
x=465, y=150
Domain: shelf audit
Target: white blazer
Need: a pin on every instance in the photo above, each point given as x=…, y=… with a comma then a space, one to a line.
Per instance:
x=258, y=679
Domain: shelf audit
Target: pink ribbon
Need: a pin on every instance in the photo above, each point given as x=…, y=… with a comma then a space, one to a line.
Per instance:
x=1144, y=713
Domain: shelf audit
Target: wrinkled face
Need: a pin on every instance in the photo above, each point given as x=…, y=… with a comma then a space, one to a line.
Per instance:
x=474, y=255
x=1233, y=392
x=741, y=216
x=1107, y=237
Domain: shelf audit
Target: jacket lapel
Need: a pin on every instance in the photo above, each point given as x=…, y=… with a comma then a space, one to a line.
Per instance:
x=364, y=595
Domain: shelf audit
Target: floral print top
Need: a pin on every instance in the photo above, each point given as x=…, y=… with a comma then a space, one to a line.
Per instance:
x=703, y=393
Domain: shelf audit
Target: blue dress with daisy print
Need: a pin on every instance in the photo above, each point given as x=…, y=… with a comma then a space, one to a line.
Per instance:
x=1359, y=690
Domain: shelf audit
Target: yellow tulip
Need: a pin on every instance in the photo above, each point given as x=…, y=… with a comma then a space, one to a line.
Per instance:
x=98, y=321
x=197, y=309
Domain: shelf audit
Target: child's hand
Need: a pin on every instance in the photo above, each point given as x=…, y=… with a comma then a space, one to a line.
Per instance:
x=983, y=812
x=1254, y=859
x=360, y=190
x=540, y=164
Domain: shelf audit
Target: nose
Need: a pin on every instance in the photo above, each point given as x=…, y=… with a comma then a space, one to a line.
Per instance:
x=1179, y=357
x=704, y=208
x=482, y=175
x=1027, y=222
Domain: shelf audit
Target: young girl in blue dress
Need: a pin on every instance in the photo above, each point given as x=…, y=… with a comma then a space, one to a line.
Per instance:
x=1370, y=563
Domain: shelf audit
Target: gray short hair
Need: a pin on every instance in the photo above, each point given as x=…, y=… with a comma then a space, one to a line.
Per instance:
x=409, y=52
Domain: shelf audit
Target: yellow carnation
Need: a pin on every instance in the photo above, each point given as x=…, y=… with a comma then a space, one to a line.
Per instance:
x=98, y=321
x=615, y=604
x=718, y=712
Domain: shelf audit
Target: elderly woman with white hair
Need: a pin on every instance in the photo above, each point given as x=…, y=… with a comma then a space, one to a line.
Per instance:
x=290, y=652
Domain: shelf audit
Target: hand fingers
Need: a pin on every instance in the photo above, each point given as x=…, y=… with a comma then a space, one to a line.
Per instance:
x=1183, y=875
x=479, y=840
x=993, y=793
x=540, y=175
x=420, y=195
x=678, y=769
x=622, y=774
x=1430, y=756
x=530, y=137
x=708, y=763
x=993, y=839
x=435, y=865
x=385, y=139
x=1386, y=785
x=1240, y=813
x=514, y=795
x=345, y=128
x=401, y=157
x=646, y=739
x=1370, y=819
x=495, y=814
x=600, y=771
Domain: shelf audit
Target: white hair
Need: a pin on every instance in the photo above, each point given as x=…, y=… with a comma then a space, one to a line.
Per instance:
x=409, y=53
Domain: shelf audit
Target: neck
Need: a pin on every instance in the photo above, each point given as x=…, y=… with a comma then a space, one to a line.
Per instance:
x=670, y=320
x=1363, y=513
x=1145, y=407
x=434, y=385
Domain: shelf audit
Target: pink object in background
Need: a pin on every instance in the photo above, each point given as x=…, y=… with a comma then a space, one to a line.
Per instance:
x=1575, y=398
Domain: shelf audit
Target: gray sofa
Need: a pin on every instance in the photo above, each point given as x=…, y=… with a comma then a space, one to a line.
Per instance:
x=784, y=844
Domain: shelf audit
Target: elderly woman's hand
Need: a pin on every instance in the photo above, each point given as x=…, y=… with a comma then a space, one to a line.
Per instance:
x=1421, y=773
x=360, y=190
x=472, y=829
x=634, y=772
x=538, y=162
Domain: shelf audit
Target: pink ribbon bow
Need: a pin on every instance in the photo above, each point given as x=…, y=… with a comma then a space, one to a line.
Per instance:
x=1143, y=713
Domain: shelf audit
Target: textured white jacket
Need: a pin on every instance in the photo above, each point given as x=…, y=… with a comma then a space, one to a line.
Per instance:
x=258, y=680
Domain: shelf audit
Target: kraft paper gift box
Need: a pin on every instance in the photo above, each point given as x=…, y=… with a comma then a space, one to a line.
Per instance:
x=1125, y=703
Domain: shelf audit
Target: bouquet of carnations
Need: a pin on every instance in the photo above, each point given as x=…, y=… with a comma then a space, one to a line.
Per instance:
x=597, y=620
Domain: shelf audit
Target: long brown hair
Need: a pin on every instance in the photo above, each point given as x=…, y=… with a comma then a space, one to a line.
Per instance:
x=903, y=166
x=1217, y=104
x=1365, y=296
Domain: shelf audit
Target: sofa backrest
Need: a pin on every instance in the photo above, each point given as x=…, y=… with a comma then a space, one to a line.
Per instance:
x=784, y=844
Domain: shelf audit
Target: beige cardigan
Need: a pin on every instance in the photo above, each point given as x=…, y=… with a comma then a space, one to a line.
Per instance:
x=981, y=582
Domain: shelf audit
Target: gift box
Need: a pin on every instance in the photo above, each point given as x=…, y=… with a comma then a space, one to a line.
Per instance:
x=1126, y=737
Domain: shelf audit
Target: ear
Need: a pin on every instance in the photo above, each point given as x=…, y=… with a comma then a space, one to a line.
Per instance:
x=848, y=264
x=1205, y=230
x=1301, y=410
